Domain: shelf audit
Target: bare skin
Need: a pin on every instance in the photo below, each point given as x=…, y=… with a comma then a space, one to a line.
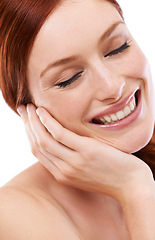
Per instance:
x=35, y=204
x=53, y=211
x=87, y=185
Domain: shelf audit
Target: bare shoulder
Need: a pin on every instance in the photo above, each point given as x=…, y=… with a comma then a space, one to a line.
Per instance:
x=24, y=216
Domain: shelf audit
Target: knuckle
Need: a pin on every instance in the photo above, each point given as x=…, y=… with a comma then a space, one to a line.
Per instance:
x=78, y=163
x=61, y=179
x=90, y=154
x=68, y=172
x=34, y=150
x=41, y=143
x=58, y=135
x=80, y=166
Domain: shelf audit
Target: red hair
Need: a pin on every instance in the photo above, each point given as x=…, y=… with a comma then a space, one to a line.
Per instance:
x=20, y=22
x=147, y=154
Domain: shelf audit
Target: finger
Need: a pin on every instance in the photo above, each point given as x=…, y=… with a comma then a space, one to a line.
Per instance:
x=61, y=134
x=52, y=163
x=45, y=140
x=22, y=110
x=23, y=113
x=60, y=170
x=49, y=165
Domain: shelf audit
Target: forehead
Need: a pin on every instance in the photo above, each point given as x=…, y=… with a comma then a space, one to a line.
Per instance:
x=73, y=24
x=72, y=17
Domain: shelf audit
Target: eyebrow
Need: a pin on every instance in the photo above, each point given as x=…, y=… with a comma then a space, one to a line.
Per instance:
x=67, y=60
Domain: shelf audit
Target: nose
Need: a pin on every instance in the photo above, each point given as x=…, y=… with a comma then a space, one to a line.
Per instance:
x=108, y=83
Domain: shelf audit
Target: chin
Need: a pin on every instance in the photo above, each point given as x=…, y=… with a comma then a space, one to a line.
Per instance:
x=138, y=140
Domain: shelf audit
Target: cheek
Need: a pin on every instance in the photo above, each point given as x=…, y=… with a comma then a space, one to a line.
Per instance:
x=66, y=107
x=137, y=65
x=143, y=71
x=137, y=68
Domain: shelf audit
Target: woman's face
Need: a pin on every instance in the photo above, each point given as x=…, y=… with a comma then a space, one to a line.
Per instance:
x=88, y=72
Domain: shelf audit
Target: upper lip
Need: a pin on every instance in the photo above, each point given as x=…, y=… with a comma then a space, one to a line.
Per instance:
x=117, y=107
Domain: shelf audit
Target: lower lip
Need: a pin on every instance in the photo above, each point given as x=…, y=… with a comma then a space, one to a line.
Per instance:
x=126, y=121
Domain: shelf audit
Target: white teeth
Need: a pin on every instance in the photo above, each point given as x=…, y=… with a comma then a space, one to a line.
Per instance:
x=120, y=114
x=102, y=120
x=132, y=106
x=127, y=111
x=108, y=119
x=114, y=117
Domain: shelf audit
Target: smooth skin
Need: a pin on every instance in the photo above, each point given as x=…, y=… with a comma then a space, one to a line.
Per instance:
x=87, y=185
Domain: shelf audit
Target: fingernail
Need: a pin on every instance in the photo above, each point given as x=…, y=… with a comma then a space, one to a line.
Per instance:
x=38, y=111
x=19, y=110
x=28, y=108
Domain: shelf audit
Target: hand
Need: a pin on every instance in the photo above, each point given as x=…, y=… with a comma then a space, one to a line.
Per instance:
x=78, y=161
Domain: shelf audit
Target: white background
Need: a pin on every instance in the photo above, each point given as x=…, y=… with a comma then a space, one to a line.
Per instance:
x=15, y=154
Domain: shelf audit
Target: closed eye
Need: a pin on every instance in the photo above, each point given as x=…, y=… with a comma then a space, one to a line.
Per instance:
x=69, y=81
x=118, y=50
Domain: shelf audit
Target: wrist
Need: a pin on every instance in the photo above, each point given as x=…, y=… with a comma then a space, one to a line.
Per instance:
x=139, y=185
x=139, y=210
x=138, y=192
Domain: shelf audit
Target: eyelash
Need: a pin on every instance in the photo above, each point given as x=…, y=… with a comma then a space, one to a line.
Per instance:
x=118, y=50
x=68, y=82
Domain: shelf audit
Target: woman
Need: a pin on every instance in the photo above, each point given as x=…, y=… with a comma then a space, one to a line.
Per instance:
x=83, y=88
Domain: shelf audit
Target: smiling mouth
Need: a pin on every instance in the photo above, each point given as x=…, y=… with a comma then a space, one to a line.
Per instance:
x=119, y=115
